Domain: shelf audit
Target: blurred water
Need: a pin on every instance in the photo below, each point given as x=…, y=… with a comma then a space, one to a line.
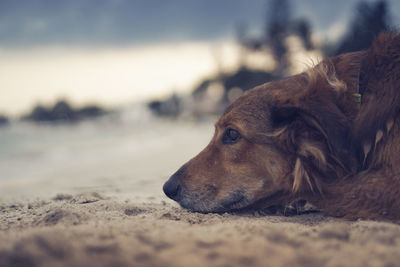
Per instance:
x=130, y=153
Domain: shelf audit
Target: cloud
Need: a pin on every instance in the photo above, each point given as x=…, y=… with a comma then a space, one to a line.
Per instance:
x=125, y=22
x=104, y=22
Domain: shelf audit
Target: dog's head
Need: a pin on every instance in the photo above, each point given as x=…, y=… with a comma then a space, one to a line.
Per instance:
x=273, y=143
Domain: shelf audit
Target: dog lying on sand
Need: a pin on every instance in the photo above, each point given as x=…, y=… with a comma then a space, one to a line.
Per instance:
x=329, y=136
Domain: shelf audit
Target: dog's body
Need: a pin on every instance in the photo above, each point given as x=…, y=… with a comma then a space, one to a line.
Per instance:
x=307, y=137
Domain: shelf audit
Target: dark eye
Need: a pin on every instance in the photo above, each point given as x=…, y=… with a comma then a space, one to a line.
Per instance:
x=231, y=136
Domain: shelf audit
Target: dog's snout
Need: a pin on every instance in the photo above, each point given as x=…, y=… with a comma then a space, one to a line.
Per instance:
x=172, y=188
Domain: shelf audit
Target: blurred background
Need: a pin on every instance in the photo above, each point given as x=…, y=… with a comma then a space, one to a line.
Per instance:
x=114, y=95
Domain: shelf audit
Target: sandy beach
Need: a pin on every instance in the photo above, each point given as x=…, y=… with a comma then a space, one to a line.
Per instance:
x=101, y=204
x=94, y=230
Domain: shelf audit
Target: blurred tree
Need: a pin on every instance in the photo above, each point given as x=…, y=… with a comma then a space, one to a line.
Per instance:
x=370, y=19
x=277, y=29
x=62, y=112
x=3, y=120
x=241, y=37
x=302, y=28
x=169, y=107
x=278, y=26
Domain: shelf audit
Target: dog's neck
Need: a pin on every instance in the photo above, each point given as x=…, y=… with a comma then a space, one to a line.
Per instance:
x=362, y=196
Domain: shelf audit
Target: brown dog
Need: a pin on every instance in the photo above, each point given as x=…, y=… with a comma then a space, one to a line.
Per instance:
x=307, y=137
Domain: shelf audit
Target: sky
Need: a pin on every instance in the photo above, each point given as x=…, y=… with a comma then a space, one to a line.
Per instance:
x=119, y=51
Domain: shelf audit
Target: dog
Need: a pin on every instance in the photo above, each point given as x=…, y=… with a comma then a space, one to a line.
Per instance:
x=328, y=136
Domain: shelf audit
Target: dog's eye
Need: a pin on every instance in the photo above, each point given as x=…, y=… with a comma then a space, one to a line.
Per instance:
x=231, y=136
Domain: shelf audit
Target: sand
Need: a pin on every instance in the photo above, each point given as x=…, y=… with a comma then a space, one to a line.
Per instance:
x=91, y=196
x=92, y=229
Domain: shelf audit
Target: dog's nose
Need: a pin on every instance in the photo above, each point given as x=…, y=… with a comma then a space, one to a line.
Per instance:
x=172, y=188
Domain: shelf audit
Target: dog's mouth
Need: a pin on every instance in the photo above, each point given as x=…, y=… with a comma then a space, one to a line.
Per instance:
x=206, y=203
x=236, y=200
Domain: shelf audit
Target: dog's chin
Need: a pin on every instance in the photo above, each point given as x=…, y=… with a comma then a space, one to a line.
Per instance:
x=234, y=201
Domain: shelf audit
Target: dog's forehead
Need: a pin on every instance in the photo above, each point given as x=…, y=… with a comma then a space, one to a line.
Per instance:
x=246, y=110
x=255, y=104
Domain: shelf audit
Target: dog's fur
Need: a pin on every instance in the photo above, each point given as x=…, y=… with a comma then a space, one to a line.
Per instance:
x=307, y=137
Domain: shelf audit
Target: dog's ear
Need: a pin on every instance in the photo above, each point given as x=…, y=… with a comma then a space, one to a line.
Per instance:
x=281, y=116
x=337, y=79
x=317, y=129
x=286, y=116
x=347, y=68
x=306, y=136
